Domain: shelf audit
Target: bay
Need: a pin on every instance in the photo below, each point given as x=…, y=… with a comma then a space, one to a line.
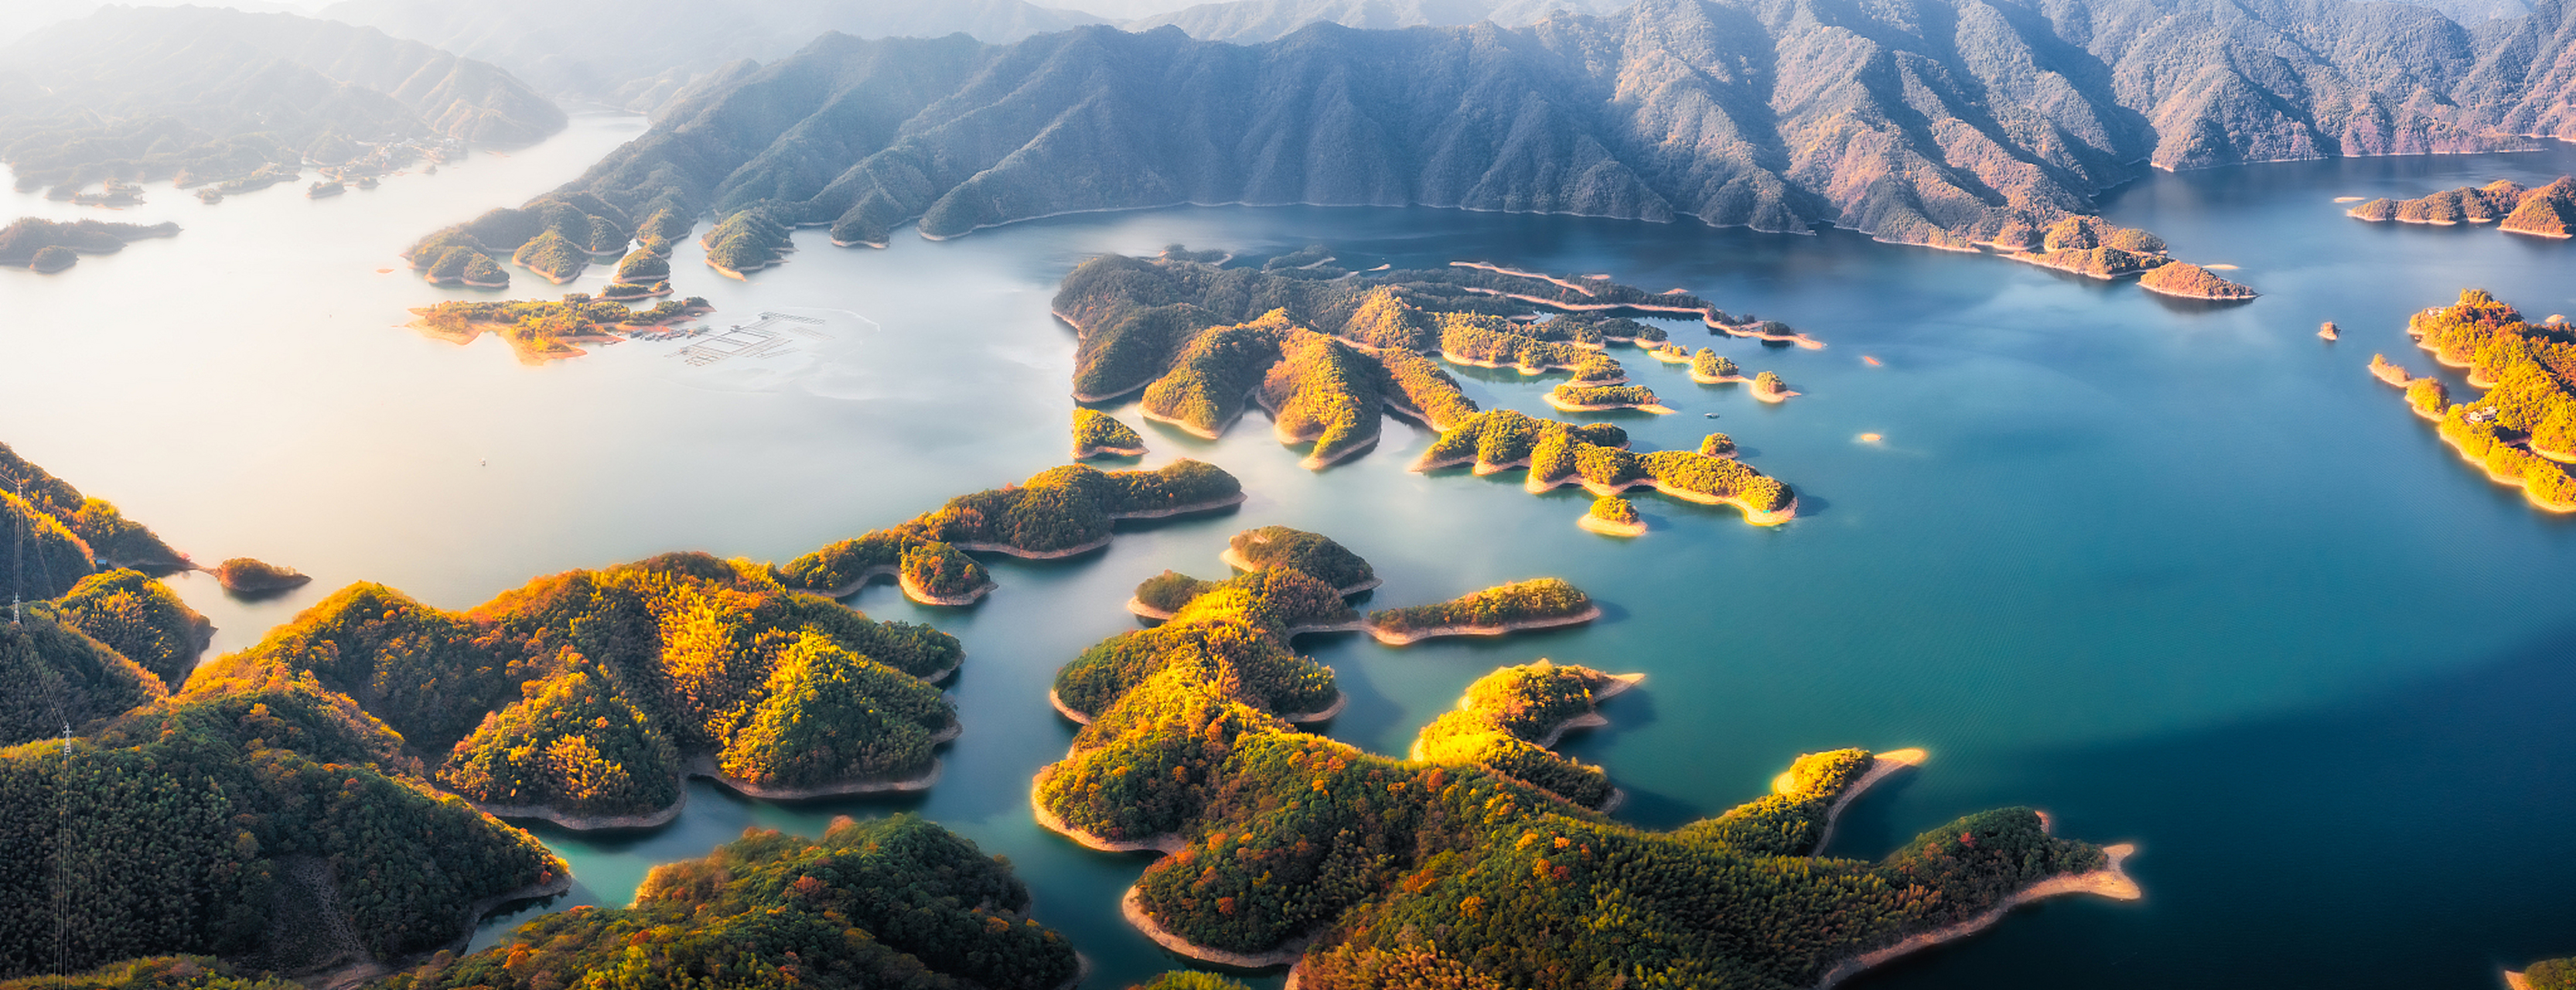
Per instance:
x=2180, y=574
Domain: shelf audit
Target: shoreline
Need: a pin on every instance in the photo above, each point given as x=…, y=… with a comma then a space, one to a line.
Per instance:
x=913, y=590
x=1082, y=453
x=1770, y=396
x=2108, y=881
x=1717, y=379
x=1882, y=766
x=1596, y=524
x=1393, y=638
x=1132, y=905
x=1237, y=561
x=1341, y=698
x=1612, y=685
x=1052, y=822
x=703, y=766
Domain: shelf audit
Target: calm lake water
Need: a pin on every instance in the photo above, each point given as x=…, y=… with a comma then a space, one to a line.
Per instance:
x=2181, y=575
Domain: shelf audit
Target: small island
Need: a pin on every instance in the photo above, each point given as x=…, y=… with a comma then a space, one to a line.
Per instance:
x=1098, y=434
x=2546, y=211
x=246, y=576
x=1540, y=603
x=2329, y=331
x=325, y=189
x=1768, y=387
x=1570, y=397
x=550, y=331
x=1611, y=515
x=557, y=236
x=49, y=246
x=1717, y=445
x=2190, y=281
x=1711, y=368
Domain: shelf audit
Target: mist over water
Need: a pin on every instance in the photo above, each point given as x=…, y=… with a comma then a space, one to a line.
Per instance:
x=2177, y=573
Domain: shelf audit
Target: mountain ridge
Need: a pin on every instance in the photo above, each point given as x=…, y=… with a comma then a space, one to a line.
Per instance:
x=1935, y=122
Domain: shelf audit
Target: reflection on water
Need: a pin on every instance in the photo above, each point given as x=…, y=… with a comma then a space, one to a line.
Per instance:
x=2185, y=576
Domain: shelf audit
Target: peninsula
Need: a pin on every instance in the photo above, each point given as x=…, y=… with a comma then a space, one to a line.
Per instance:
x=1180, y=754
x=685, y=664
x=1057, y=513
x=1596, y=457
x=53, y=245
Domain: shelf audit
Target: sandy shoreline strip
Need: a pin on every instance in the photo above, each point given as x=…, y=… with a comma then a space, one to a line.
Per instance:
x=2108, y=881
x=1133, y=907
x=1882, y=766
x=1563, y=406
x=1596, y=524
x=1054, y=823
x=1393, y=638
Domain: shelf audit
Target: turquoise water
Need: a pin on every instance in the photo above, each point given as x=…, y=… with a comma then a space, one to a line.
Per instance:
x=2182, y=575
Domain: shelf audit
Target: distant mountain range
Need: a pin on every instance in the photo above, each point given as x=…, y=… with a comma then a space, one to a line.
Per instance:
x=1253, y=21
x=149, y=92
x=1928, y=121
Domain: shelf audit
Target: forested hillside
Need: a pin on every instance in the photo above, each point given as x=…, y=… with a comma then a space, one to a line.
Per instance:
x=588, y=695
x=1937, y=122
x=896, y=903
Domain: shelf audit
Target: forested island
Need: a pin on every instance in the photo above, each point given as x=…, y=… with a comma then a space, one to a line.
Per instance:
x=896, y=902
x=251, y=576
x=1538, y=603
x=1471, y=864
x=1098, y=434
x=2547, y=974
x=2096, y=248
x=539, y=331
x=1330, y=351
x=1059, y=512
x=2522, y=430
x=1314, y=554
x=1596, y=456
x=52, y=245
x=129, y=95
x=2545, y=211
x=1611, y=515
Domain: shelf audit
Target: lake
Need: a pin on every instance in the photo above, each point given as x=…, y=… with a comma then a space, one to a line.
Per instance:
x=2179, y=574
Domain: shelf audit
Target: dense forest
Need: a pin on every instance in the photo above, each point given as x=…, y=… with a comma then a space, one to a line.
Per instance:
x=1455, y=873
x=1314, y=553
x=158, y=973
x=1057, y=512
x=2550, y=974
x=112, y=539
x=896, y=903
x=255, y=816
x=2523, y=429
x=1098, y=434
x=1509, y=718
x=588, y=694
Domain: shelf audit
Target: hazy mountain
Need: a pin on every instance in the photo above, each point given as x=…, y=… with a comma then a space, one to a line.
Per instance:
x=19, y=17
x=1924, y=121
x=635, y=53
x=145, y=92
x=1250, y=21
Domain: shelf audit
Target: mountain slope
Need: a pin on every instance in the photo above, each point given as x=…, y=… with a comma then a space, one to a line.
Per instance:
x=636, y=53
x=146, y=92
x=1254, y=21
x=1920, y=121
